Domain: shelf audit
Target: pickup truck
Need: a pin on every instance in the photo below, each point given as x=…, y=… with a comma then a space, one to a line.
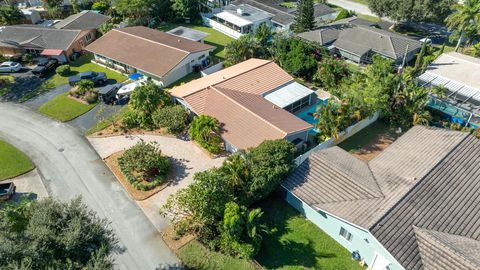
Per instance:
x=6, y=191
x=98, y=78
x=44, y=66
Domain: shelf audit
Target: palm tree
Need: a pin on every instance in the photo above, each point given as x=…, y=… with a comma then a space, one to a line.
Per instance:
x=463, y=18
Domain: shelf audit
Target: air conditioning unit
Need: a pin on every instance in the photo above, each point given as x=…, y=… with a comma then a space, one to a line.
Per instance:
x=240, y=11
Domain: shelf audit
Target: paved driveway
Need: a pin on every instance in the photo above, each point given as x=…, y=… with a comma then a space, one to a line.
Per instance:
x=71, y=167
x=188, y=159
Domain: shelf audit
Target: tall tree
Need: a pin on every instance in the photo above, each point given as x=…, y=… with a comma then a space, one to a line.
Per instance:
x=464, y=19
x=408, y=10
x=145, y=99
x=49, y=234
x=244, y=48
x=10, y=15
x=304, y=16
x=187, y=9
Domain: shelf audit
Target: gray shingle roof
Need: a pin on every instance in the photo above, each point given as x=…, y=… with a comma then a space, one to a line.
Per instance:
x=46, y=38
x=427, y=180
x=86, y=19
x=356, y=38
x=445, y=202
x=447, y=251
x=282, y=15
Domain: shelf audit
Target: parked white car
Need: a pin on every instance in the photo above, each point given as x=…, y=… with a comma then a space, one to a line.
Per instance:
x=10, y=67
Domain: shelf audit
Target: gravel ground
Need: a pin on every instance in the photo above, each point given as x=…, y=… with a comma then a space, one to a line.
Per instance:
x=188, y=159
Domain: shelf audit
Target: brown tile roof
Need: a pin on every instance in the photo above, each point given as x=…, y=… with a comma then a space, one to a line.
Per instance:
x=221, y=76
x=146, y=49
x=234, y=97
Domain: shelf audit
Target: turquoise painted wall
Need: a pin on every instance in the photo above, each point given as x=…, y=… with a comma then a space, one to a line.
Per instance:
x=362, y=240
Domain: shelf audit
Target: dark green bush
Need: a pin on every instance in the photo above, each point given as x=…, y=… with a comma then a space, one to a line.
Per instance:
x=144, y=166
x=172, y=118
x=63, y=70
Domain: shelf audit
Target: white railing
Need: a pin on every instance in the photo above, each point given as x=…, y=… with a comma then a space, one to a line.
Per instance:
x=222, y=28
x=212, y=69
x=347, y=133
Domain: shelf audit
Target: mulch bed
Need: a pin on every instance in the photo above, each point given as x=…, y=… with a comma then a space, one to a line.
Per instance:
x=111, y=131
x=138, y=195
x=174, y=243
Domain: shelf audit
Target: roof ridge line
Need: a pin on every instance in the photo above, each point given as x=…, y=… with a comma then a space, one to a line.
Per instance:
x=416, y=228
x=42, y=28
x=467, y=136
x=241, y=73
x=255, y=114
x=149, y=40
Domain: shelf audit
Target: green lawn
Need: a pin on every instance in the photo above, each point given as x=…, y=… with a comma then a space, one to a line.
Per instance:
x=293, y=242
x=362, y=138
x=215, y=38
x=64, y=108
x=195, y=256
x=363, y=2
x=190, y=77
x=369, y=18
x=13, y=162
x=81, y=65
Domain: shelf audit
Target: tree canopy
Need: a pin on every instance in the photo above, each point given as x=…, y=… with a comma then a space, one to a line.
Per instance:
x=145, y=100
x=215, y=205
x=408, y=10
x=243, y=48
x=465, y=21
x=206, y=130
x=304, y=19
x=49, y=234
x=10, y=15
x=295, y=56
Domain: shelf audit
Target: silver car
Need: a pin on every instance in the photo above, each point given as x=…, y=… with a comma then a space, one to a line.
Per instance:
x=10, y=67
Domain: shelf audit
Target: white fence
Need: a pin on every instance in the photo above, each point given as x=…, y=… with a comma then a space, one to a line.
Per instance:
x=347, y=133
x=212, y=69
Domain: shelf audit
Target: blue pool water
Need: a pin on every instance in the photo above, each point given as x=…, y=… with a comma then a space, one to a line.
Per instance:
x=307, y=113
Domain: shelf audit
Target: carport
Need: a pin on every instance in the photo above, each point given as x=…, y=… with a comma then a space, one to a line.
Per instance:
x=55, y=53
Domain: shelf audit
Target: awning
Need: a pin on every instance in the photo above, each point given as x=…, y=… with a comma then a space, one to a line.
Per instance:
x=52, y=52
x=135, y=76
x=288, y=94
x=233, y=19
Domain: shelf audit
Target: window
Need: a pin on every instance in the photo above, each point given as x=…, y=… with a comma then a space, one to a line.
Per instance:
x=346, y=234
x=88, y=37
x=202, y=56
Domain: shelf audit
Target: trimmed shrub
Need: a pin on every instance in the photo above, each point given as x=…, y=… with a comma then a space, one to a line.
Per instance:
x=172, y=118
x=205, y=130
x=144, y=166
x=63, y=70
x=27, y=58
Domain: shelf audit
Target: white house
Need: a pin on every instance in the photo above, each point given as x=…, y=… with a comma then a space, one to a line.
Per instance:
x=163, y=57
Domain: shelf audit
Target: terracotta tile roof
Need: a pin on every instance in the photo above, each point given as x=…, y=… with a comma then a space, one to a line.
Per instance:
x=219, y=76
x=146, y=49
x=234, y=97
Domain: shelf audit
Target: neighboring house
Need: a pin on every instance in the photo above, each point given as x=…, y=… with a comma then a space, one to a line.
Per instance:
x=163, y=57
x=357, y=42
x=283, y=17
x=32, y=16
x=244, y=16
x=83, y=20
x=460, y=75
x=237, y=20
x=189, y=33
x=253, y=100
x=37, y=40
x=414, y=206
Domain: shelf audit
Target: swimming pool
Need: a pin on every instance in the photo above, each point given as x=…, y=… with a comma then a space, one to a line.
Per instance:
x=307, y=114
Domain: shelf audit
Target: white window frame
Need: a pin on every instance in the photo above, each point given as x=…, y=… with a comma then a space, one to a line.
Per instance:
x=346, y=234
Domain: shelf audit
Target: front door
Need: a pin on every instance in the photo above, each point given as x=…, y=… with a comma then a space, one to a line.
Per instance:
x=379, y=262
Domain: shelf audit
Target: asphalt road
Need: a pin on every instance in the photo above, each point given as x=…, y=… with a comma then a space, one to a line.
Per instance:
x=70, y=167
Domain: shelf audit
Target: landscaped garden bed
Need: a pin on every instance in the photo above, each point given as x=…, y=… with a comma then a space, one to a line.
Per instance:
x=142, y=170
x=13, y=162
